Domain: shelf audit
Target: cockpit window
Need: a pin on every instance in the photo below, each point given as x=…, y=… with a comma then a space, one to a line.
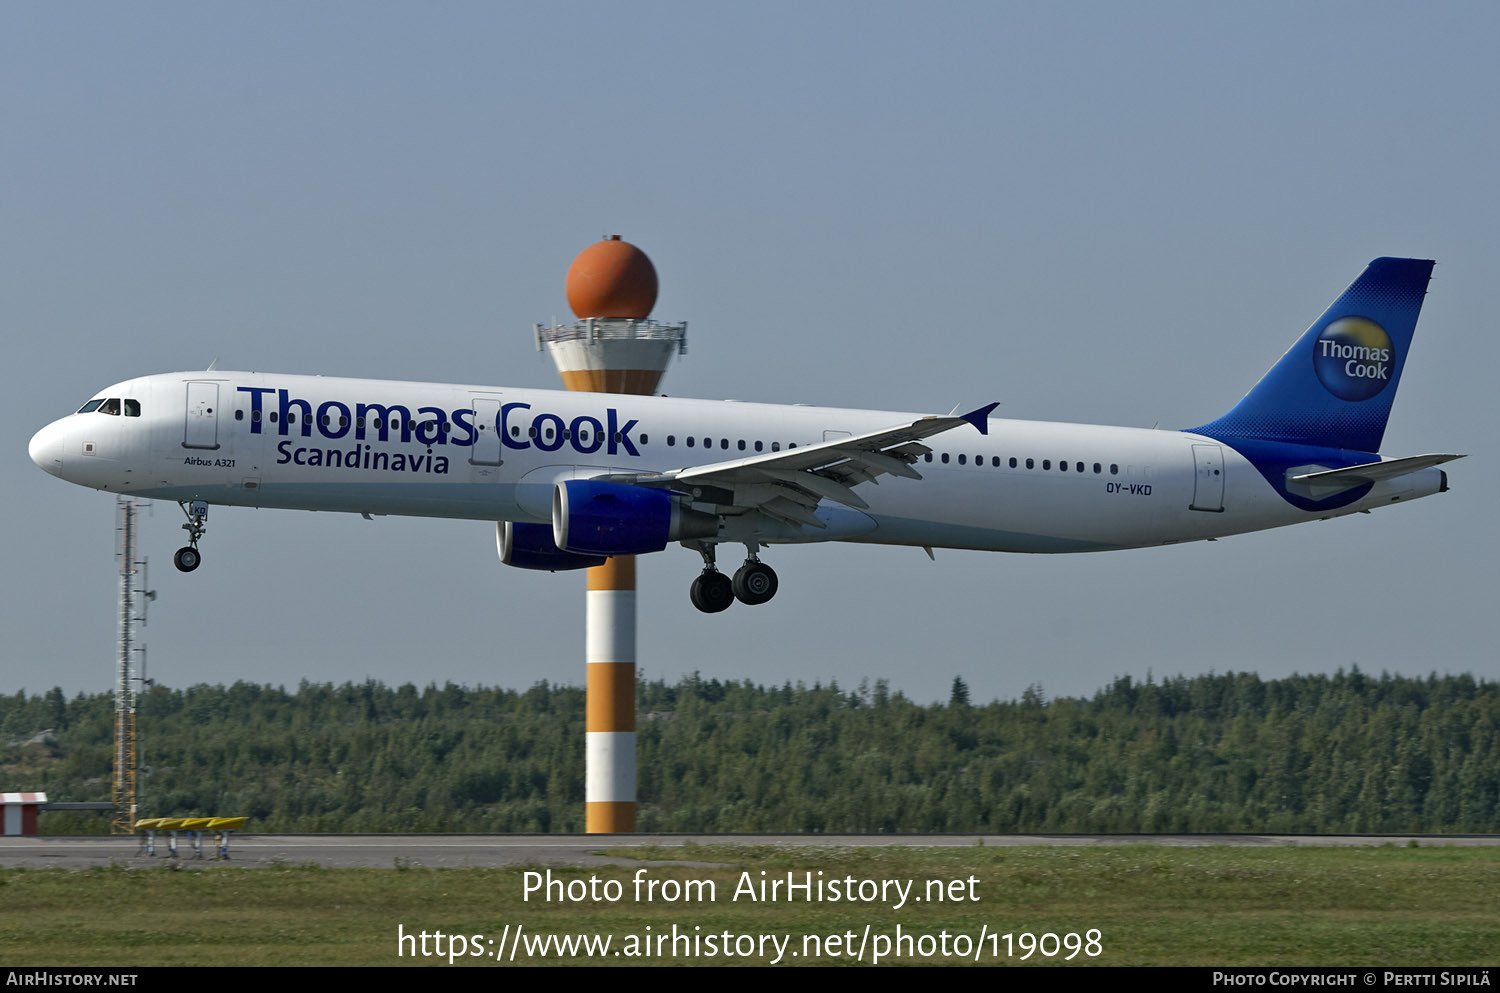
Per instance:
x=132, y=408
x=111, y=406
x=90, y=407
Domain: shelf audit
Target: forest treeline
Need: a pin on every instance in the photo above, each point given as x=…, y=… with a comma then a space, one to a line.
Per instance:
x=1342, y=753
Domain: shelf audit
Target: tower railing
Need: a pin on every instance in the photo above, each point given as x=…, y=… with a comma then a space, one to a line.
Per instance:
x=613, y=329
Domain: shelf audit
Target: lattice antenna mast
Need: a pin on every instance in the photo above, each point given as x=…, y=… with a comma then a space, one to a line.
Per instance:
x=126, y=758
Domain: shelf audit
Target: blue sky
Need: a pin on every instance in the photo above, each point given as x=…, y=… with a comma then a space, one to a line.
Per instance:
x=1089, y=212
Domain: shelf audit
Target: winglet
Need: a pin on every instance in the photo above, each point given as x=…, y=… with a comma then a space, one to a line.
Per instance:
x=981, y=418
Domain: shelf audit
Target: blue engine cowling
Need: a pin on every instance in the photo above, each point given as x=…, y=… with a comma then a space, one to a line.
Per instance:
x=597, y=518
x=530, y=546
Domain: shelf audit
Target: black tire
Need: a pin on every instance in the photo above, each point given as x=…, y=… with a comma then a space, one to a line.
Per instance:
x=712, y=592
x=755, y=583
x=187, y=559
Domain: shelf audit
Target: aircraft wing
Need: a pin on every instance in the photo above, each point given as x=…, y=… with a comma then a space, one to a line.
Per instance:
x=789, y=484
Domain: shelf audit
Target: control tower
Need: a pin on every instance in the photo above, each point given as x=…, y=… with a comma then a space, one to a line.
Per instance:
x=612, y=347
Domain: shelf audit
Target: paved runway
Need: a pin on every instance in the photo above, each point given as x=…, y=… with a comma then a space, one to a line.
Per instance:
x=386, y=851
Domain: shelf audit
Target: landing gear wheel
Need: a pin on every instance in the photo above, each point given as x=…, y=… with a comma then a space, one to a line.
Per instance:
x=712, y=592
x=186, y=559
x=754, y=583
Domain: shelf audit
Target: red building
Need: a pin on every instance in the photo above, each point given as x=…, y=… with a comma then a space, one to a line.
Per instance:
x=18, y=811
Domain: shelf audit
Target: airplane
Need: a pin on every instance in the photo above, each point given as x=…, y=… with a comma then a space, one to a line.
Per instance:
x=571, y=479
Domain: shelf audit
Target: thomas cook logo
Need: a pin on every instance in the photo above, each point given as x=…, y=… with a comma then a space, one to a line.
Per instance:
x=1353, y=358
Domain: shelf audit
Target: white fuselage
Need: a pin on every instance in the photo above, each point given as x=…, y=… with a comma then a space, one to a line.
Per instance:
x=496, y=454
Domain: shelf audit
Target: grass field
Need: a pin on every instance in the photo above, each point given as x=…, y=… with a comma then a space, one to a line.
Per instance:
x=1150, y=906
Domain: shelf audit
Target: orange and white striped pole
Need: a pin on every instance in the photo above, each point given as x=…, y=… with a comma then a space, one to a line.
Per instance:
x=609, y=794
x=612, y=348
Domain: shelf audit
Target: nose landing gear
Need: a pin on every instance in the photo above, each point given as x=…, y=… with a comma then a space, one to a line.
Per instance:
x=753, y=583
x=189, y=558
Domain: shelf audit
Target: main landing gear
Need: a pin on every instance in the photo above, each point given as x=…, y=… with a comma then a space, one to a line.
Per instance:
x=188, y=558
x=753, y=583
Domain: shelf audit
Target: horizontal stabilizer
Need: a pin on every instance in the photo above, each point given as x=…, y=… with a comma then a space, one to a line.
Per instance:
x=1320, y=483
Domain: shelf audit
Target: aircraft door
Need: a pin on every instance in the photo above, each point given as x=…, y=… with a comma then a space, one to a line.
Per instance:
x=486, y=450
x=202, y=427
x=1208, y=478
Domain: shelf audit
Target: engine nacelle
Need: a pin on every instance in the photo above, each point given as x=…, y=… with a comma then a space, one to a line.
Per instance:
x=597, y=518
x=529, y=546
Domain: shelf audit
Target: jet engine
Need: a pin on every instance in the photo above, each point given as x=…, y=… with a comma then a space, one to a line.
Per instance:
x=591, y=517
x=529, y=546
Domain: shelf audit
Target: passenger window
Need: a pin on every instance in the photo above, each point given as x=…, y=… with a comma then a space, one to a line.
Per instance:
x=239, y=415
x=255, y=417
x=1097, y=467
x=1078, y=467
x=133, y=408
x=1031, y=463
x=1012, y=461
x=963, y=460
x=723, y=442
x=1114, y=470
x=775, y=446
x=708, y=443
x=645, y=439
x=690, y=441
x=757, y=446
x=928, y=456
x=945, y=458
x=291, y=418
x=90, y=407
x=1046, y=463
x=791, y=445
x=273, y=417
x=1062, y=466
x=995, y=462
x=671, y=440
x=742, y=444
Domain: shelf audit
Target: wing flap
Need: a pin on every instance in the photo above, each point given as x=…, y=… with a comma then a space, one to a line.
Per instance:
x=820, y=485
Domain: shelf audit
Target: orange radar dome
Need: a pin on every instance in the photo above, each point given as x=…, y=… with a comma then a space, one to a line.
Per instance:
x=612, y=278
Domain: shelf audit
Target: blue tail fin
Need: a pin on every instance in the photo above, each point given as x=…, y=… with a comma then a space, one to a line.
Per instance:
x=1334, y=387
